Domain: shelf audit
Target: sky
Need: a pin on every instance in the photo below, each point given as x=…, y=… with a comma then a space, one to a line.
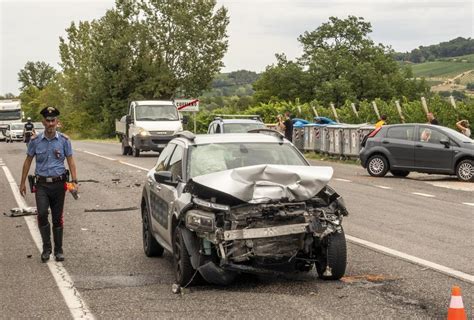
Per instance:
x=258, y=29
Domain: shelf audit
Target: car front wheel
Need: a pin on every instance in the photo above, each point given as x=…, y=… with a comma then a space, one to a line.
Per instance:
x=151, y=247
x=332, y=263
x=183, y=270
x=465, y=170
x=377, y=166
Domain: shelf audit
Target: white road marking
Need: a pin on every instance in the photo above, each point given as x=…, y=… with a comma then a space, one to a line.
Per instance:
x=453, y=185
x=423, y=194
x=71, y=295
x=385, y=187
x=112, y=159
x=135, y=166
x=468, y=204
x=425, y=263
x=343, y=180
x=98, y=155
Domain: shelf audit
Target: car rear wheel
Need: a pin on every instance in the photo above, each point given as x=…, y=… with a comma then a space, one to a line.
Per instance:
x=125, y=150
x=135, y=151
x=377, y=166
x=465, y=170
x=399, y=173
x=183, y=270
x=332, y=263
x=151, y=247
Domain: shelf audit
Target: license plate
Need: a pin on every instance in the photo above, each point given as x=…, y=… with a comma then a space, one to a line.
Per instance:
x=161, y=145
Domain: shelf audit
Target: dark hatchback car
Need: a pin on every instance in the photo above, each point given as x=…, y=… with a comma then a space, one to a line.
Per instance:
x=426, y=148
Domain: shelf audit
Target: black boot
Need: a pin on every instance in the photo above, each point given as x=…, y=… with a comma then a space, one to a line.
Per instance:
x=58, y=243
x=45, y=232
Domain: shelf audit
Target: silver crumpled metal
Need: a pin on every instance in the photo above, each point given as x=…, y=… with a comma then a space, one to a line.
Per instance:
x=262, y=183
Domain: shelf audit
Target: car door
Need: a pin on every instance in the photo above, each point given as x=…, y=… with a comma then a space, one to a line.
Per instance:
x=400, y=145
x=430, y=153
x=159, y=207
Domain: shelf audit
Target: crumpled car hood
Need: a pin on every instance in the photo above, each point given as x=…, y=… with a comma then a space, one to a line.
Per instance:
x=263, y=183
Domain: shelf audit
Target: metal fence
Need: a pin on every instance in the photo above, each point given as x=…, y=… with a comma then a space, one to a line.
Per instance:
x=341, y=140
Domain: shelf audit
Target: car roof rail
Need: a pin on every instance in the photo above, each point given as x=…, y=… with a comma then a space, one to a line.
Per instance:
x=186, y=134
x=248, y=116
x=267, y=131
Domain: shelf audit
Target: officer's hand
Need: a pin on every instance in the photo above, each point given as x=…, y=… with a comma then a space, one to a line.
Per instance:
x=23, y=189
x=76, y=186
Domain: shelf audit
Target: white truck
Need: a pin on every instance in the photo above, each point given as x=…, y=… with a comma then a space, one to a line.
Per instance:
x=10, y=112
x=148, y=126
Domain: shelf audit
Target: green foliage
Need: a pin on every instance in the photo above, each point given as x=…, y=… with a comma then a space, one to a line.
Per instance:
x=140, y=50
x=37, y=74
x=442, y=69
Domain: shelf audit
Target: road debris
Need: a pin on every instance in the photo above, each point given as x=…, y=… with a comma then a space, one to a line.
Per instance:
x=111, y=210
x=20, y=212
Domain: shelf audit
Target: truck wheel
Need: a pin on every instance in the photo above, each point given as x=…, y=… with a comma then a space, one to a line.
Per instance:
x=183, y=270
x=125, y=150
x=333, y=256
x=377, y=166
x=151, y=247
x=465, y=170
x=135, y=151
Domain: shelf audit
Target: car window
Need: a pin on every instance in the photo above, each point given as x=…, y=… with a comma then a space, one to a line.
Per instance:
x=176, y=162
x=210, y=158
x=163, y=159
x=242, y=127
x=217, y=128
x=431, y=135
x=400, y=133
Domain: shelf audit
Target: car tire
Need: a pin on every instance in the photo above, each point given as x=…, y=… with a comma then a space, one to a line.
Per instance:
x=334, y=256
x=399, y=173
x=377, y=166
x=151, y=247
x=465, y=170
x=183, y=270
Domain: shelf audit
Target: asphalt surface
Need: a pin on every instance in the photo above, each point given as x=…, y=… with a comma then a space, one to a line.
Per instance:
x=105, y=259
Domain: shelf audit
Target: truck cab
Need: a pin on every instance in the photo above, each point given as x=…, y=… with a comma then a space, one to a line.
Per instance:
x=148, y=126
x=10, y=112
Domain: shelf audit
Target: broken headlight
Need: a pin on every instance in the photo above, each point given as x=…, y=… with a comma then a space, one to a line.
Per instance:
x=200, y=221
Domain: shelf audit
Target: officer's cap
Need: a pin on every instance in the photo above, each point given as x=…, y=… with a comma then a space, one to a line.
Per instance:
x=49, y=112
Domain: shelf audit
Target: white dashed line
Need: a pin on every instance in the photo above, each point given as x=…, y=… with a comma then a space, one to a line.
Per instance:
x=423, y=194
x=425, y=263
x=98, y=155
x=343, y=180
x=385, y=187
x=71, y=295
x=468, y=204
x=135, y=166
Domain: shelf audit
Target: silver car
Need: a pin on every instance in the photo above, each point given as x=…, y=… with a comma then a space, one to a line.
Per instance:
x=233, y=203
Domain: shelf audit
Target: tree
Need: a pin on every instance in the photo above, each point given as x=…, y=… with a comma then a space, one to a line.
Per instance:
x=37, y=74
x=142, y=50
x=284, y=80
x=344, y=63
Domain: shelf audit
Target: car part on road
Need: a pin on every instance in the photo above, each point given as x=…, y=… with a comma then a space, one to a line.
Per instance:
x=377, y=166
x=465, y=170
x=332, y=264
x=111, y=210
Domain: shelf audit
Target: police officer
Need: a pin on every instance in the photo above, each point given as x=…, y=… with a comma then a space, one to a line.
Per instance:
x=28, y=130
x=50, y=148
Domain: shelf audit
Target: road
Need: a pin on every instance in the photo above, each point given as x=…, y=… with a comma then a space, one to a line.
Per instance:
x=106, y=274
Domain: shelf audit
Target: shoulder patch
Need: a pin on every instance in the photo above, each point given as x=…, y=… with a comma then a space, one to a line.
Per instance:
x=65, y=136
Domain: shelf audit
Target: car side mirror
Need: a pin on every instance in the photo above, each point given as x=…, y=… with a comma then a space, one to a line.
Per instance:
x=128, y=119
x=445, y=142
x=184, y=120
x=165, y=177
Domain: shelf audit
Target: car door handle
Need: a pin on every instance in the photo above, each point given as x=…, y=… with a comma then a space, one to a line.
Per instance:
x=385, y=142
x=157, y=187
x=418, y=145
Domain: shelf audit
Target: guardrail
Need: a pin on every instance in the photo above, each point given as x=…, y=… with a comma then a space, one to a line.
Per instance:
x=342, y=140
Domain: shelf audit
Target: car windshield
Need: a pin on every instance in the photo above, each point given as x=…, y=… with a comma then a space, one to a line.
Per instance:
x=38, y=125
x=459, y=135
x=242, y=127
x=208, y=158
x=156, y=112
x=17, y=126
x=10, y=114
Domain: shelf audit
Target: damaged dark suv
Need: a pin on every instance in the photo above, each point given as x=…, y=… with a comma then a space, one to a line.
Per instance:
x=227, y=204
